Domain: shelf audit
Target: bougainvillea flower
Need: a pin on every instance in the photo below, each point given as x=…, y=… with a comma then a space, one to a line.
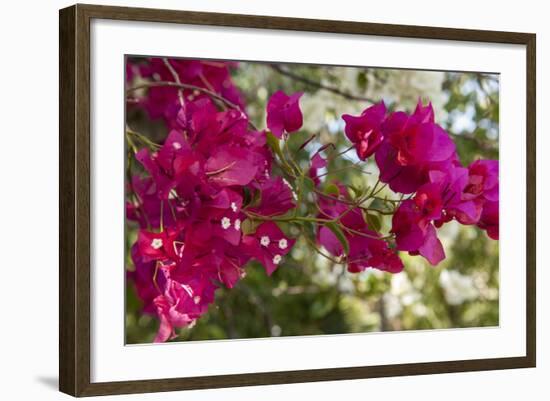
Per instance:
x=452, y=183
x=428, y=202
x=268, y=245
x=160, y=246
x=212, y=129
x=230, y=165
x=172, y=163
x=382, y=258
x=146, y=284
x=417, y=143
x=365, y=130
x=228, y=261
x=180, y=305
x=489, y=219
x=413, y=146
x=366, y=250
x=408, y=227
x=423, y=114
x=145, y=205
x=431, y=248
x=482, y=180
x=275, y=198
x=283, y=113
x=162, y=101
x=218, y=217
x=213, y=172
x=317, y=163
x=416, y=234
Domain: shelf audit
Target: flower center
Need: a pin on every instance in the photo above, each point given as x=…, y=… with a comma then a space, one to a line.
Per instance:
x=226, y=223
x=156, y=243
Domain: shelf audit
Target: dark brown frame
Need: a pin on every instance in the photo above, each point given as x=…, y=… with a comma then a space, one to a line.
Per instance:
x=74, y=199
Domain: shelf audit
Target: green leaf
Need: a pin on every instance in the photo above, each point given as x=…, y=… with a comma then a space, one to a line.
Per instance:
x=362, y=80
x=332, y=190
x=373, y=221
x=356, y=192
x=249, y=226
x=337, y=231
x=306, y=184
x=322, y=306
x=274, y=144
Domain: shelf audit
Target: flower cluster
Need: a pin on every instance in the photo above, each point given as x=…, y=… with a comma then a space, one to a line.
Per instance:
x=218, y=192
x=417, y=157
x=193, y=200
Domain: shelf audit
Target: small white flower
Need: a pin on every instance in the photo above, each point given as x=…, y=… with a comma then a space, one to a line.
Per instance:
x=277, y=259
x=266, y=174
x=226, y=223
x=176, y=145
x=196, y=299
x=237, y=225
x=264, y=240
x=283, y=243
x=234, y=207
x=156, y=243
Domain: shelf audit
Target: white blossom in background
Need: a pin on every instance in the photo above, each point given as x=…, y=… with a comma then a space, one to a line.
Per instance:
x=402, y=293
x=392, y=305
x=402, y=287
x=457, y=287
x=405, y=87
x=449, y=232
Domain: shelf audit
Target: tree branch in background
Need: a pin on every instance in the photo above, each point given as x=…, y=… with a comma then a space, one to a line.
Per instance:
x=319, y=85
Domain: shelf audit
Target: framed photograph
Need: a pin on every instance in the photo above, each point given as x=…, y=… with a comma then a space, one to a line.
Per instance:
x=250, y=200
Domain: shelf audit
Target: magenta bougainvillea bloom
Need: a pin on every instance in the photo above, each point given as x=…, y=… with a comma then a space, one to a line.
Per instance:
x=317, y=163
x=268, y=245
x=415, y=233
x=482, y=180
x=489, y=219
x=275, y=198
x=283, y=113
x=216, y=194
x=365, y=130
x=172, y=164
x=366, y=249
x=162, y=101
x=413, y=145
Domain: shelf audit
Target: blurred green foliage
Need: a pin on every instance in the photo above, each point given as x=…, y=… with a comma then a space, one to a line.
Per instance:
x=309, y=295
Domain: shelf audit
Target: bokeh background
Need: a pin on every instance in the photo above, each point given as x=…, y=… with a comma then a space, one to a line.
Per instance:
x=308, y=294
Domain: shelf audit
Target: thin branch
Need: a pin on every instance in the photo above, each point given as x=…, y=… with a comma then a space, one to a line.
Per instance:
x=176, y=78
x=184, y=86
x=319, y=85
x=190, y=87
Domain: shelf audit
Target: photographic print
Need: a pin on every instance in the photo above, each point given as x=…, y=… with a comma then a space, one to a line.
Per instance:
x=270, y=199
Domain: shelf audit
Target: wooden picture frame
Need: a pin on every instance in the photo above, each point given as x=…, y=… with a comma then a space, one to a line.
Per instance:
x=75, y=207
